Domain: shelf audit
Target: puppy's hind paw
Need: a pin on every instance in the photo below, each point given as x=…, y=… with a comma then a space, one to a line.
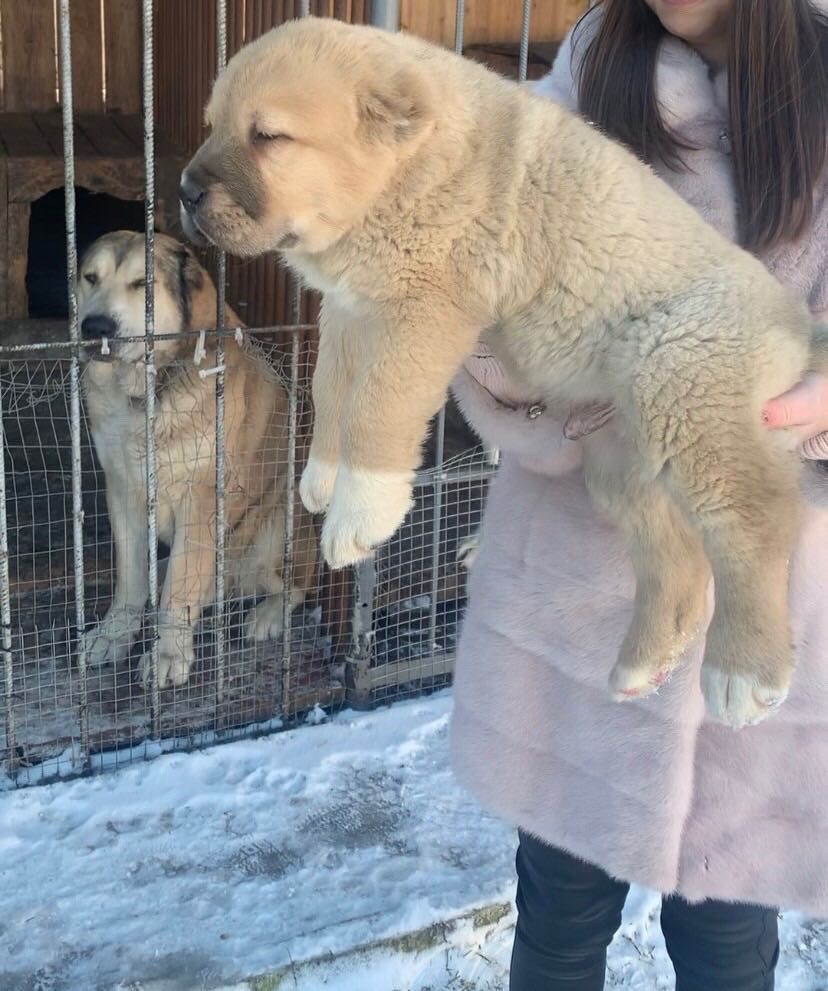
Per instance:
x=738, y=700
x=366, y=510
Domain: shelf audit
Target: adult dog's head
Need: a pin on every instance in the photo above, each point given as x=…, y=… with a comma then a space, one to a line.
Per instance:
x=308, y=125
x=112, y=295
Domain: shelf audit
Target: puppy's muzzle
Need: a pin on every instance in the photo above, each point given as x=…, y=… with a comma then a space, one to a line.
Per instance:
x=190, y=193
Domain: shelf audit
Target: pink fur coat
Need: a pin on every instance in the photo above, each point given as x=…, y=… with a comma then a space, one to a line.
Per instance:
x=649, y=790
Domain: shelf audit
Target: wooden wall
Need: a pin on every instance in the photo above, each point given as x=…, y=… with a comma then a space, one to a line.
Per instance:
x=489, y=21
x=106, y=55
x=260, y=289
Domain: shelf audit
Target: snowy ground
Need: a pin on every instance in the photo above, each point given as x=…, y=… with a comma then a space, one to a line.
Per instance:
x=340, y=856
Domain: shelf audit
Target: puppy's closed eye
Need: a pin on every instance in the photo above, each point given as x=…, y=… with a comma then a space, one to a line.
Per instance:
x=263, y=137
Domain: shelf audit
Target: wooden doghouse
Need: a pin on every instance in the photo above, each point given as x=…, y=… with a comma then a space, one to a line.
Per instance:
x=108, y=132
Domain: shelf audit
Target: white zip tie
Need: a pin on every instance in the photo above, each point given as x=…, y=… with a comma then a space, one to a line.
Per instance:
x=200, y=350
x=105, y=346
x=204, y=373
x=238, y=335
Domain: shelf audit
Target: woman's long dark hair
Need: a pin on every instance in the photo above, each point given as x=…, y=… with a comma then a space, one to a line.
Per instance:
x=778, y=78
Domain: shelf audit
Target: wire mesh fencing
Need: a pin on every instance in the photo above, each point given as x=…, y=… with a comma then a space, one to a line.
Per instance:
x=161, y=585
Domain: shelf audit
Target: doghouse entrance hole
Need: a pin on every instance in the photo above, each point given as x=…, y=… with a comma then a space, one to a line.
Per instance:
x=95, y=214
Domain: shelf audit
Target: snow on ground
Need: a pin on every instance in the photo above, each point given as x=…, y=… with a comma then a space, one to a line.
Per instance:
x=326, y=843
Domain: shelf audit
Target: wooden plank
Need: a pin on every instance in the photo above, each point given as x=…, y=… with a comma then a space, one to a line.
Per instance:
x=122, y=54
x=4, y=241
x=105, y=137
x=489, y=20
x=30, y=178
x=18, y=259
x=51, y=126
x=29, y=71
x=87, y=55
x=21, y=136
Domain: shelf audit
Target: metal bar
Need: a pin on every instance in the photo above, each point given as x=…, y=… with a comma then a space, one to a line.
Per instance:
x=396, y=673
x=287, y=556
x=523, y=63
x=386, y=14
x=427, y=478
x=5, y=608
x=358, y=677
x=459, y=25
x=437, y=518
x=65, y=41
x=293, y=413
x=221, y=290
x=10, y=350
x=149, y=353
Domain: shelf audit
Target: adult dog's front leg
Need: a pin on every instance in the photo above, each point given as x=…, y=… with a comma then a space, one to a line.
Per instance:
x=331, y=381
x=404, y=371
x=188, y=587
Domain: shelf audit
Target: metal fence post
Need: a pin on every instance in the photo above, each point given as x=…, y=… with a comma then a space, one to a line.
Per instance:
x=149, y=352
x=5, y=608
x=74, y=368
x=221, y=291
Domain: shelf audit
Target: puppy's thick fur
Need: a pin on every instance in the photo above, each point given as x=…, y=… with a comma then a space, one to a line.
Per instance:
x=111, y=294
x=435, y=204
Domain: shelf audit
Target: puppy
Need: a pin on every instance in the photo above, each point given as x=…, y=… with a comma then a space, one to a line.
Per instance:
x=111, y=297
x=437, y=205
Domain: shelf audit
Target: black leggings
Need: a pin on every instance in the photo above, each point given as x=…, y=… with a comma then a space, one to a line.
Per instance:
x=569, y=911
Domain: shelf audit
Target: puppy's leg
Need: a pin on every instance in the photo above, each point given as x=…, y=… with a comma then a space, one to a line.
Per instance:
x=671, y=570
x=188, y=587
x=331, y=381
x=744, y=495
x=406, y=366
x=112, y=639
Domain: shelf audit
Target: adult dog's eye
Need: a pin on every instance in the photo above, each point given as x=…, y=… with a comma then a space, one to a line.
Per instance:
x=91, y=278
x=265, y=137
x=138, y=284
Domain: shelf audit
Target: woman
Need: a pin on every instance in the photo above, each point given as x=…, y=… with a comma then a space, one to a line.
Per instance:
x=727, y=101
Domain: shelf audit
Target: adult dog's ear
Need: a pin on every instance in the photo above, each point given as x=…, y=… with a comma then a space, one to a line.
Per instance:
x=192, y=274
x=397, y=108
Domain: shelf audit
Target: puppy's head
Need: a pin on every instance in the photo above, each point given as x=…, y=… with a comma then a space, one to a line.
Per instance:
x=112, y=295
x=309, y=124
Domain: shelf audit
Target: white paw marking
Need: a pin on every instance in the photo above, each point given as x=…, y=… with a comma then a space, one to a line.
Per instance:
x=317, y=485
x=367, y=508
x=111, y=640
x=738, y=700
x=175, y=658
x=637, y=683
x=468, y=550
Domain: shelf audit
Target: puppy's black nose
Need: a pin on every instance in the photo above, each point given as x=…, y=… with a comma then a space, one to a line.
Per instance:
x=190, y=193
x=98, y=325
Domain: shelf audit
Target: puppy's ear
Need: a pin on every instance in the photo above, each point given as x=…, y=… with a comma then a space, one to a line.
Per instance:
x=396, y=109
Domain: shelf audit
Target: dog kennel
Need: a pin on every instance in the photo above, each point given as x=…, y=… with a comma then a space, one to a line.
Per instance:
x=102, y=100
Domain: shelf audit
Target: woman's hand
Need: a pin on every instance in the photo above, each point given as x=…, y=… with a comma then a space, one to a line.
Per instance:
x=804, y=411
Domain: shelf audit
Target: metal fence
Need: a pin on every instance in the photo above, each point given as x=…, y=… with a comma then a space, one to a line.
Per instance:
x=386, y=631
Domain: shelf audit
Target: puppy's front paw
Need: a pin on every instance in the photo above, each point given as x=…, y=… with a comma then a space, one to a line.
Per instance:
x=367, y=508
x=111, y=640
x=739, y=700
x=175, y=658
x=317, y=485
